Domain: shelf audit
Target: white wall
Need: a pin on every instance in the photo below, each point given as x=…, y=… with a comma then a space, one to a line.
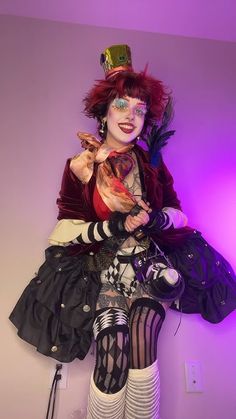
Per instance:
x=46, y=69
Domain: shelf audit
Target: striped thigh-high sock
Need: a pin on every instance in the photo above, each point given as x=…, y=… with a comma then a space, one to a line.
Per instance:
x=108, y=383
x=143, y=385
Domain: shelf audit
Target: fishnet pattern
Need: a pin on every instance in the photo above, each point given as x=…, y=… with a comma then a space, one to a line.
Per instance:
x=112, y=357
x=146, y=318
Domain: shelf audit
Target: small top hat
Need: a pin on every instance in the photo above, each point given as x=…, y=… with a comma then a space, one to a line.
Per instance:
x=161, y=281
x=116, y=58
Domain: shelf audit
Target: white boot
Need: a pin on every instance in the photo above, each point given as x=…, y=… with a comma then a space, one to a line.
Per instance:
x=143, y=393
x=105, y=406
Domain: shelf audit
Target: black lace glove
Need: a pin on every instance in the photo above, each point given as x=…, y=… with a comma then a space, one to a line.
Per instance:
x=158, y=220
x=116, y=224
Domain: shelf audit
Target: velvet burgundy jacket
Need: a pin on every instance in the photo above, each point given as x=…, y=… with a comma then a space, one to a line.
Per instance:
x=76, y=199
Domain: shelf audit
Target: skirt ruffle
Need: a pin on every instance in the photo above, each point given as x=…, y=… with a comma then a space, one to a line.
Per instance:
x=56, y=310
x=210, y=281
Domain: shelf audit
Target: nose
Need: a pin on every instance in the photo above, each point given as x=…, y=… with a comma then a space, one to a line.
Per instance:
x=131, y=113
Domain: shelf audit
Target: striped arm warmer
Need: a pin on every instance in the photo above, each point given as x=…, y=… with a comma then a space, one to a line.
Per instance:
x=92, y=232
x=68, y=232
x=166, y=218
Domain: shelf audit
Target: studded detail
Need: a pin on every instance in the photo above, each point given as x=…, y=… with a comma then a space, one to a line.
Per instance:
x=203, y=282
x=218, y=263
x=59, y=269
x=38, y=281
x=206, y=245
x=86, y=308
x=222, y=302
x=54, y=348
x=62, y=305
x=85, y=278
x=190, y=255
x=91, y=253
x=195, y=231
x=58, y=255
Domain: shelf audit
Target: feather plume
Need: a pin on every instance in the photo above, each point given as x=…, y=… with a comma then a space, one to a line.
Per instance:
x=159, y=135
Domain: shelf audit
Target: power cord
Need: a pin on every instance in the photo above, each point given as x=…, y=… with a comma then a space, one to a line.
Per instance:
x=53, y=390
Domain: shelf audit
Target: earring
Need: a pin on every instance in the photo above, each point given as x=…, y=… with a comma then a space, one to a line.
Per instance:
x=102, y=128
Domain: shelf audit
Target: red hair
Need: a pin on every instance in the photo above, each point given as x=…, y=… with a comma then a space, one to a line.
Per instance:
x=127, y=83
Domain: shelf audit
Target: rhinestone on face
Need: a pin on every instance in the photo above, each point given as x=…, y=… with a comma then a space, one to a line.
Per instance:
x=54, y=349
x=86, y=308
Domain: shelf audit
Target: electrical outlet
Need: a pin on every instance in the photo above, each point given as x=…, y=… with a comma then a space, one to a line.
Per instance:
x=193, y=377
x=62, y=383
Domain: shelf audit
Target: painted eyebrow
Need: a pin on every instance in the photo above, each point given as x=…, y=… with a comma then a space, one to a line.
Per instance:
x=139, y=103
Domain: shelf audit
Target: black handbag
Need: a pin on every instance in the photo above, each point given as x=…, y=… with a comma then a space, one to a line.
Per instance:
x=210, y=282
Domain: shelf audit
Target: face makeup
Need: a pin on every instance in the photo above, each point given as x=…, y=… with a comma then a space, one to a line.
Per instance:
x=125, y=119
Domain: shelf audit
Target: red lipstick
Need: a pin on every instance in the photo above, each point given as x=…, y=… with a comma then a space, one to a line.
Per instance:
x=127, y=128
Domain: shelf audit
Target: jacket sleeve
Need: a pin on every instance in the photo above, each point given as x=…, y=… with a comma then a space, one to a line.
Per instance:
x=71, y=202
x=75, y=225
x=170, y=198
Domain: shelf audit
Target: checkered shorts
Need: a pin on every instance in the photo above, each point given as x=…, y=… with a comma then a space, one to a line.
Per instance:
x=120, y=274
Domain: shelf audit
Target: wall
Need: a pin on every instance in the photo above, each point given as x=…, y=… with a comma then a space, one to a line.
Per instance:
x=46, y=69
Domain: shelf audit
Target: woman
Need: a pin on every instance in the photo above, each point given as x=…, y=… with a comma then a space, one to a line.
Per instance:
x=113, y=203
x=127, y=320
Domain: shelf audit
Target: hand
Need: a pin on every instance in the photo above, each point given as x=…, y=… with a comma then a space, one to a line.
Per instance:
x=144, y=205
x=133, y=222
x=139, y=206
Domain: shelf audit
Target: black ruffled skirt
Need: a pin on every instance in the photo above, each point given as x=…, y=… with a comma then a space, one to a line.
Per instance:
x=56, y=311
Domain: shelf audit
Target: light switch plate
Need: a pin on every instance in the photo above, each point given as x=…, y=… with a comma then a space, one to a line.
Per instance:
x=193, y=377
